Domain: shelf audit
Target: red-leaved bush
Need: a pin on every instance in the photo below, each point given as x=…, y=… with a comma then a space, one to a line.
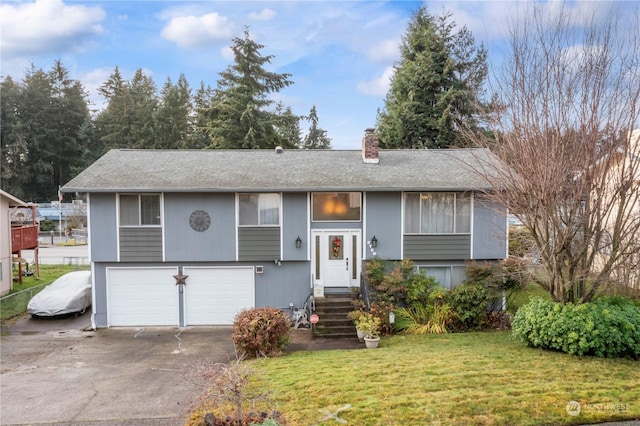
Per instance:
x=261, y=332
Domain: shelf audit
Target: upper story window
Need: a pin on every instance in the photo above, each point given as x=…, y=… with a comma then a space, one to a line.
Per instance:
x=259, y=209
x=140, y=210
x=437, y=213
x=336, y=206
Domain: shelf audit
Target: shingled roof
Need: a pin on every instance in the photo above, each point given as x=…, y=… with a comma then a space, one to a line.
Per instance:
x=126, y=170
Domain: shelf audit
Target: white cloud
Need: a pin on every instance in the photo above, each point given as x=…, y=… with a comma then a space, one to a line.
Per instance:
x=47, y=26
x=384, y=51
x=378, y=86
x=198, y=31
x=263, y=15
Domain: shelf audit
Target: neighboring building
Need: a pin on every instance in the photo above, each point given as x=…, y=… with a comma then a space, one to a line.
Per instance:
x=191, y=237
x=14, y=237
x=64, y=215
x=623, y=171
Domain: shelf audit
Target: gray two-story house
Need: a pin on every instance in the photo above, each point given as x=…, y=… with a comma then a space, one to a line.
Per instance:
x=186, y=237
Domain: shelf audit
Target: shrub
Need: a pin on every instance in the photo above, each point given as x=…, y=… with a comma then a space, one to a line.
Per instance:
x=502, y=279
x=607, y=327
x=432, y=318
x=469, y=302
x=261, y=332
x=419, y=288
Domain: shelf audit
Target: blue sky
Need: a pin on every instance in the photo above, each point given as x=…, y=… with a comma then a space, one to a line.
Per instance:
x=340, y=53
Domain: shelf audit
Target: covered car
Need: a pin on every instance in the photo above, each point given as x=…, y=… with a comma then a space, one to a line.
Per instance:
x=71, y=293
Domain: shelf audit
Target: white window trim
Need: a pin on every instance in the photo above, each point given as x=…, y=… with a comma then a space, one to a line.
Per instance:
x=280, y=207
x=338, y=192
x=454, y=214
x=161, y=208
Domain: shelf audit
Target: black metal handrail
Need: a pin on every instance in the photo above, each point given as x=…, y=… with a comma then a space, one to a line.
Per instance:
x=364, y=292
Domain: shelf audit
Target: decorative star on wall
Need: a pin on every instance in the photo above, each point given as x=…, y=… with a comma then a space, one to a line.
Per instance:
x=181, y=278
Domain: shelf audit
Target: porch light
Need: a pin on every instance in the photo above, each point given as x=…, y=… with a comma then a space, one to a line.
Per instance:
x=374, y=242
x=298, y=242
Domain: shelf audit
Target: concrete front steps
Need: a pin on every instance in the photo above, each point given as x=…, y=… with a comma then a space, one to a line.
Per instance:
x=332, y=311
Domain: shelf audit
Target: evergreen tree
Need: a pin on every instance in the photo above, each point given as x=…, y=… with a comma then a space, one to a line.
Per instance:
x=70, y=112
x=239, y=116
x=437, y=82
x=199, y=137
x=39, y=126
x=144, y=103
x=113, y=123
x=288, y=127
x=13, y=141
x=316, y=138
x=172, y=119
x=42, y=120
x=128, y=119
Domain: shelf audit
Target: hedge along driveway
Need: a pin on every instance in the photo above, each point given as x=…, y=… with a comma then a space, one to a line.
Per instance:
x=470, y=378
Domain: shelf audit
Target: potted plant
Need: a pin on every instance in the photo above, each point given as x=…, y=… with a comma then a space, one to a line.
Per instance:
x=369, y=324
x=355, y=316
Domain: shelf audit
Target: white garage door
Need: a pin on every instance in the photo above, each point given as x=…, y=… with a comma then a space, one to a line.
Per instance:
x=213, y=296
x=142, y=296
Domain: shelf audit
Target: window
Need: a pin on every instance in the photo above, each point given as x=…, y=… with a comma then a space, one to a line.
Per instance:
x=139, y=209
x=259, y=209
x=336, y=206
x=447, y=276
x=437, y=213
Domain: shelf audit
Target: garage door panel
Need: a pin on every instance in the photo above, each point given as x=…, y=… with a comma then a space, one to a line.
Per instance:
x=142, y=297
x=216, y=295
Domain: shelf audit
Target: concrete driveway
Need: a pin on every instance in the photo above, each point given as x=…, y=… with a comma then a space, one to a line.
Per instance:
x=61, y=372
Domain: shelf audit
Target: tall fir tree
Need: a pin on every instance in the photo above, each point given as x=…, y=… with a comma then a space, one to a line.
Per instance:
x=144, y=103
x=14, y=145
x=241, y=114
x=316, y=137
x=437, y=82
x=128, y=119
x=113, y=122
x=42, y=121
x=199, y=137
x=288, y=127
x=173, y=118
x=71, y=112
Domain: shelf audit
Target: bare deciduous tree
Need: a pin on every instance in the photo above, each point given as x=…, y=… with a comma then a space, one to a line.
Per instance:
x=565, y=103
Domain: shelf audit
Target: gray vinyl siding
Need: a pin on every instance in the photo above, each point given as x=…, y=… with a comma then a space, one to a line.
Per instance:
x=182, y=243
x=437, y=247
x=258, y=243
x=489, y=230
x=280, y=285
x=384, y=220
x=102, y=226
x=294, y=219
x=141, y=244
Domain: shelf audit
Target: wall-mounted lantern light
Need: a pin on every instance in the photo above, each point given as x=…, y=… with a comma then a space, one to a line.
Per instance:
x=298, y=242
x=374, y=242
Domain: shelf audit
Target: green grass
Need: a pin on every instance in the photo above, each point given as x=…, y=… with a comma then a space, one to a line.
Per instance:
x=17, y=305
x=451, y=379
x=523, y=296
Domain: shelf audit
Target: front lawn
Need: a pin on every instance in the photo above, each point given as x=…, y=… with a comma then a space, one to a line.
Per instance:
x=467, y=378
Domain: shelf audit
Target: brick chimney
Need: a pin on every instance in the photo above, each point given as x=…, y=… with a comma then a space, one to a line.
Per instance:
x=370, y=147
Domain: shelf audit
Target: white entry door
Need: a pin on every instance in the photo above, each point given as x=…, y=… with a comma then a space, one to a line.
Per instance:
x=335, y=259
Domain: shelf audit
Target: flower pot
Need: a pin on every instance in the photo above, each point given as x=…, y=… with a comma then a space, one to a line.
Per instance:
x=360, y=335
x=371, y=342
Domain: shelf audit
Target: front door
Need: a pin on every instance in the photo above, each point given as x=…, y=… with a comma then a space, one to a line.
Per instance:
x=335, y=259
